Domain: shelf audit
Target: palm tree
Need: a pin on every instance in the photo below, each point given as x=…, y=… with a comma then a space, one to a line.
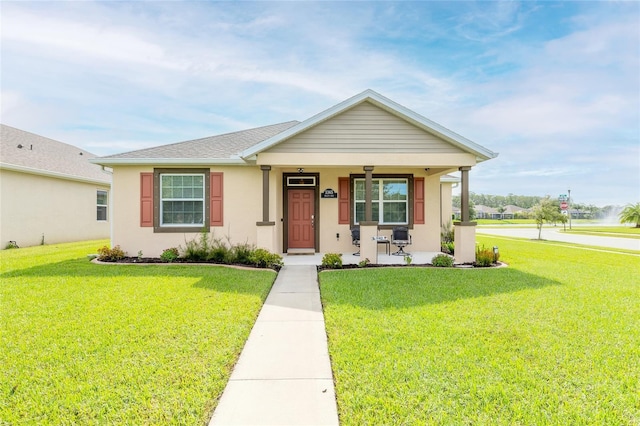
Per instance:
x=631, y=214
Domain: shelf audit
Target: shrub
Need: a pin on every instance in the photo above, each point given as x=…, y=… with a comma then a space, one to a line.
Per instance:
x=241, y=254
x=448, y=247
x=169, y=255
x=219, y=254
x=408, y=259
x=447, y=233
x=332, y=260
x=442, y=261
x=197, y=248
x=11, y=245
x=205, y=247
x=106, y=254
x=265, y=259
x=484, y=257
x=364, y=262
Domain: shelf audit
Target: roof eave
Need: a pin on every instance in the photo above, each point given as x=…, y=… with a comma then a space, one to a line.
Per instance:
x=168, y=161
x=57, y=175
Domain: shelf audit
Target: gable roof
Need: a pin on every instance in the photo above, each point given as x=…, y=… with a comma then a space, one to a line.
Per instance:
x=386, y=104
x=242, y=147
x=30, y=153
x=223, y=149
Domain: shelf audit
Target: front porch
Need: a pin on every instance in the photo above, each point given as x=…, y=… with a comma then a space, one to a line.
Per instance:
x=417, y=258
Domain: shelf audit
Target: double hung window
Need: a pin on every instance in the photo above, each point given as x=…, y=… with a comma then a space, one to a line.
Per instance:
x=389, y=200
x=182, y=200
x=101, y=205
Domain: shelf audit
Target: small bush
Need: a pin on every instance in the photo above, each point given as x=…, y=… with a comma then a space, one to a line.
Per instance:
x=219, y=254
x=448, y=247
x=408, y=259
x=106, y=254
x=364, y=262
x=484, y=257
x=169, y=255
x=195, y=250
x=447, y=233
x=332, y=261
x=241, y=254
x=11, y=245
x=265, y=259
x=442, y=261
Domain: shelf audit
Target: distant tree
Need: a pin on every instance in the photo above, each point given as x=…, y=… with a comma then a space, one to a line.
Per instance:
x=631, y=214
x=545, y=211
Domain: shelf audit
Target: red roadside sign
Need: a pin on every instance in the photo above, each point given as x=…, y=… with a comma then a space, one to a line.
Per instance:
x=563, y=205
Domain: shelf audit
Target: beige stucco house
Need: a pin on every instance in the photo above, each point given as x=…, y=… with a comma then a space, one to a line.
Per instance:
x=49, y=191
x=299, y=186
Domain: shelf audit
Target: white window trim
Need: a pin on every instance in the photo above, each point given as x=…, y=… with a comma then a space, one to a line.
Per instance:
x=162, y=200
x=380, y=201
x=106, y=206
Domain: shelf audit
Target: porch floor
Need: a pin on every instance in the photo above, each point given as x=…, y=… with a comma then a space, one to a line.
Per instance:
x=418, y=258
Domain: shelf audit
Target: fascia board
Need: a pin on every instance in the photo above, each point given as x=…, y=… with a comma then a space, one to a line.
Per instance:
x=169, y=161
x=57, y=175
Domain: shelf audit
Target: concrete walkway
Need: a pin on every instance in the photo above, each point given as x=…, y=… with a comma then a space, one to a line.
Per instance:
x=283, y=376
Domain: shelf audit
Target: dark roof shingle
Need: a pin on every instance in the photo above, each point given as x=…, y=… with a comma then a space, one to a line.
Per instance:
x=224, y=146
x=30, y=151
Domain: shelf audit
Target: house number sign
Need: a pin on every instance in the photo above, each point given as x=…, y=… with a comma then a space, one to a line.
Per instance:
x=329, y=193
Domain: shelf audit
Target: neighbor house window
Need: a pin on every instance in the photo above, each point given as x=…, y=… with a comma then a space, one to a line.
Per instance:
x=101, y=205
x=182, y=200
x=389, y=200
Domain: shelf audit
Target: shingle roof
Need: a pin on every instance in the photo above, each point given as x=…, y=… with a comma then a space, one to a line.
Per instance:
x=28, y=152
x=221, y=147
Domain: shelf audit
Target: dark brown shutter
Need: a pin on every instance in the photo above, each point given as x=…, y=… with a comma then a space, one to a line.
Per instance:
x=216, y=187
x=146, y=199
x=344, y=204
x=418, y=200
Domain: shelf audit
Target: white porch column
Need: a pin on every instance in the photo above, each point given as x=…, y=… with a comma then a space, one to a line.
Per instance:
x=465, y=230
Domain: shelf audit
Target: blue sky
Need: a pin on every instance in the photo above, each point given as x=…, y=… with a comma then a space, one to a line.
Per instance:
x=554, y=87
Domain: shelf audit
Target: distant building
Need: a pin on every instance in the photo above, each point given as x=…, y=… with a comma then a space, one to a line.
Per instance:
x=49, y=191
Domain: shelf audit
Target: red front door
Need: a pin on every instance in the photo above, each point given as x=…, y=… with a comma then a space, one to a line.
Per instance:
x=301, y=218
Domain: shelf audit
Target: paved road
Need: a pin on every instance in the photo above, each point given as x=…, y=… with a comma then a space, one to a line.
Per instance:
x=554, y=234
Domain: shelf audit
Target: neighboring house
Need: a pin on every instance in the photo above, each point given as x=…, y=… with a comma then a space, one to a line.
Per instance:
x=299, y=186
x=513, y=212
x=485, y=212
x=49, y=191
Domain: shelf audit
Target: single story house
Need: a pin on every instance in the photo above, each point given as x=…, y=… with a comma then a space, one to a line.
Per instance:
x=49, y=191
x=486, y=212
x=514, y=212
x=300, y=186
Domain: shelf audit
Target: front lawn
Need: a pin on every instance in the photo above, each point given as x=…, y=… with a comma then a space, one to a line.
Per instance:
x=552, y=339
x=118, y=344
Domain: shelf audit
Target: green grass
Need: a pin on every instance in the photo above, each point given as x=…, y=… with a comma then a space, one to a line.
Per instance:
x=552, y=339
x=611, y=231
x=118, y=344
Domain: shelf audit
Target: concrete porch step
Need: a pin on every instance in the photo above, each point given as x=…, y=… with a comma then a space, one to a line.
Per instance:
x=301, y=251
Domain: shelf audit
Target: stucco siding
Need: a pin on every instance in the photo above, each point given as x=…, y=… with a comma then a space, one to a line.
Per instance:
x=33, y=207
x=365, y=128
x=242, y=209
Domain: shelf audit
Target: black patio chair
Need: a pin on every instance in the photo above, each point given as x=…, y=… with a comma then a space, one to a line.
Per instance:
x=355, y=239
x=400, y=238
